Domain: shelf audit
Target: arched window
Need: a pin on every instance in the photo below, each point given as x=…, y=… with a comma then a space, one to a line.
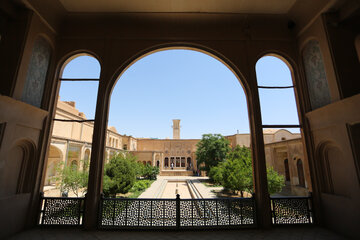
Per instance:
x=276, y=92
x=73, y=121
x=278, y=111
x=182, y=161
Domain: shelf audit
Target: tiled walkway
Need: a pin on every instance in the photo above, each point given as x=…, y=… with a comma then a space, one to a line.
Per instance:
x=288, y=233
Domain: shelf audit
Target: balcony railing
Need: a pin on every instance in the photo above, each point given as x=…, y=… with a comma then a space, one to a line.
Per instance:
x=125, y=213
x=177, y=213
x=60, y=211
x=291, y=210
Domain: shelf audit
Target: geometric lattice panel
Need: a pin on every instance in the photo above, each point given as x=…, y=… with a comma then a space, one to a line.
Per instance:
x=162, y=213
x=291, y=211
x=248, y=212
x=138, y=213
x=62, y=211
x=223, y=212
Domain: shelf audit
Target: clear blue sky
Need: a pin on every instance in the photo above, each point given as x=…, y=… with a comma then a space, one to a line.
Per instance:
x=181, y=84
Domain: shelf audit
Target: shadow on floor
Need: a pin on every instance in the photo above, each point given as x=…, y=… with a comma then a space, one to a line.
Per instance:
x=285, y=233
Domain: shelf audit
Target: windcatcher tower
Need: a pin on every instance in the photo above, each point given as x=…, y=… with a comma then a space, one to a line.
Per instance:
x=176, y=128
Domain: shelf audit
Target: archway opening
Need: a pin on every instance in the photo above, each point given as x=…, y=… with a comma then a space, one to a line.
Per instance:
x=196, y=92
x=73, y=124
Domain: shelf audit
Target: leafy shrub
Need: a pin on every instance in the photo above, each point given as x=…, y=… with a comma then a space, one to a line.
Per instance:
x=70, y=178
x=150, y=172
x=141, y=185
x=237, y=170
x=235, y=173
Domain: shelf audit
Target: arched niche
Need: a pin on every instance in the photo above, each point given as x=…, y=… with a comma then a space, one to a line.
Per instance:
x=37, y=72
x=315, y=74
x=21, y=167
x=331, y=173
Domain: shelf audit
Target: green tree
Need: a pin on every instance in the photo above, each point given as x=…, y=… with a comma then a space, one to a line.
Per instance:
x=237, y=170
x=235, y=173
x=216, y=174
x=211, y=150
x=275, y=181
x=150, y=172
x=139, y=169
x=70, y=179
x=120, y=174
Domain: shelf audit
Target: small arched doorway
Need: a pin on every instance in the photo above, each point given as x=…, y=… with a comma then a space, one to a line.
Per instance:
x=287, y=171
x=300, y=170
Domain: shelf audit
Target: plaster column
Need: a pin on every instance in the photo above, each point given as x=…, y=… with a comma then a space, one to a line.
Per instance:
x=97, y=158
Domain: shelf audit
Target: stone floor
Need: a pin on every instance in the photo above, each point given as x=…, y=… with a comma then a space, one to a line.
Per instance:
x=281, y=233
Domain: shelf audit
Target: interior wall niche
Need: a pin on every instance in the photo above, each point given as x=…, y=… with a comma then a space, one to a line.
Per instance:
x=37, y=72
x=332, y=174
x=20, y=168
x=318, y=88
x=26, y=180
x=354, y=135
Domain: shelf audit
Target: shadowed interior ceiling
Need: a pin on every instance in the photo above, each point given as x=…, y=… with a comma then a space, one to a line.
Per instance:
x=200, y=6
